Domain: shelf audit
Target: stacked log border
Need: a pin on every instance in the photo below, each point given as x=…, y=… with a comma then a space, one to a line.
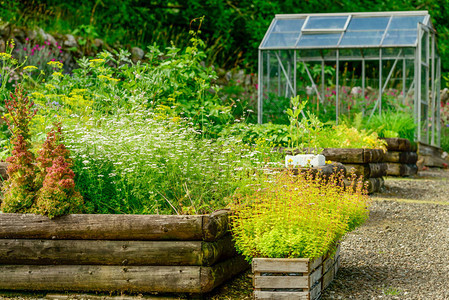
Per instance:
x=431, y=156
x=366, y=163
x=135, y=253
x=401, y=157
x=294, y=278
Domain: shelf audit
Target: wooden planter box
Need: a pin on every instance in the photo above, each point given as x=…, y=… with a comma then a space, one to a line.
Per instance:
x=293, y=278
x=401, y=157
x=136, y=253
x=368, y=163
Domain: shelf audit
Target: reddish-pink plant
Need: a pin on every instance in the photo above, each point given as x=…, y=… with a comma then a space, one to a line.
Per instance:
x=21, y=111
x=19, y=190
x=58, y=195
x=51, y=149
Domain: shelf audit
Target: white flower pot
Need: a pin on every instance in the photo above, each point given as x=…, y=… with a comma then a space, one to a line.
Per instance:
x=305, y=160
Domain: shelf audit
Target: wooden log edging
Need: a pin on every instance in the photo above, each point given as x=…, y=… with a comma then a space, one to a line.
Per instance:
x=105, y=252
x=152, y=253
x=116, y=227
x=401, y=157
x=431, y=156
x=353, y=155
x=361, y=162
x=164, y=279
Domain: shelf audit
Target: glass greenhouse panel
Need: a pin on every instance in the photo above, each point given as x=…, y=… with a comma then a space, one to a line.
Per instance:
x=317, y=23
x=284, y=33
x=362, y=38
x=405, y=22
x=400, y=37
x=317, y=40
x=368, y=23
x=288, y=25
x=281, y=40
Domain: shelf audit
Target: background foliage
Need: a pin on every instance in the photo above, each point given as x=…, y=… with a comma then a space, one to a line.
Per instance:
x=232, y=29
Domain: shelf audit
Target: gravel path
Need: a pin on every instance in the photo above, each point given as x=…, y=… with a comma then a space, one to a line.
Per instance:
x=402, y=252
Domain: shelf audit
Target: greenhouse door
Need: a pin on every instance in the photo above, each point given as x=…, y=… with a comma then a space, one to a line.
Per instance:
x=422, y=96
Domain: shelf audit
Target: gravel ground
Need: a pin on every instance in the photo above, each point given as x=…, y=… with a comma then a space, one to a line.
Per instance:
x=402, y=252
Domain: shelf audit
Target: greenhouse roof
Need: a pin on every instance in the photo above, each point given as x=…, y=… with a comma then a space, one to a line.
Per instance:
x=345, y=30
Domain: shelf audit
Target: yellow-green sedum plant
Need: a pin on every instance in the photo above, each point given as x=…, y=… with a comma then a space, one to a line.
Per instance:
x=297, y=216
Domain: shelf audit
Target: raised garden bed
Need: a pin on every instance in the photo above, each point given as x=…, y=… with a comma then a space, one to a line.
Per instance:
x=431, y=156
x=294, y=278
x=135, y=253
x=401, y=157
x=368, y=163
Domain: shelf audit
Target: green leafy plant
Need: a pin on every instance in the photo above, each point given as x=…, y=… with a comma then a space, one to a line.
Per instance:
x=393, y=124
x=342, y=136
x=8, y=67
x=296, y=216
x=148, y=163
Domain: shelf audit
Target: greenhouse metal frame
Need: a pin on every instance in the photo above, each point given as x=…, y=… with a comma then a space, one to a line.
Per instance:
x=395, y=44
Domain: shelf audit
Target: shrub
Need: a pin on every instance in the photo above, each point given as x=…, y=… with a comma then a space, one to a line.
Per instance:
x=19, y=190
x=57, y=195
x=46, y=187
x=342, y=136
x=296, y=216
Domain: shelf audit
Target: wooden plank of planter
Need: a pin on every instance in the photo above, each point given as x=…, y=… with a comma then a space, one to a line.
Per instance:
x=113, y=227
x=426, y=149
x=367, y=170
x=181, y=279
x=344, y=155
x=374, y=155
x=267, y=295
x=401, y=157
x=398, y=144
x=98, y=252
x=213, y=276
x=216, y=225
x=324, y=171
x=163, y=279
x=92, y=296
x=378, y=169
x=293, y=278
x=353, y=156
x=285, y=265
x=397, y=169
x=374, y=185
x=433, y=161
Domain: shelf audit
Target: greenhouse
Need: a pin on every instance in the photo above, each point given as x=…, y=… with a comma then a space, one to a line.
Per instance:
x=352, y=63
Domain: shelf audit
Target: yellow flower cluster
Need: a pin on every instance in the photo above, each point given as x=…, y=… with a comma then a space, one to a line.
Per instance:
x=55, y=64
x=30, y=68
x=108, y=78
x=96, y=60
x=5, y=56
